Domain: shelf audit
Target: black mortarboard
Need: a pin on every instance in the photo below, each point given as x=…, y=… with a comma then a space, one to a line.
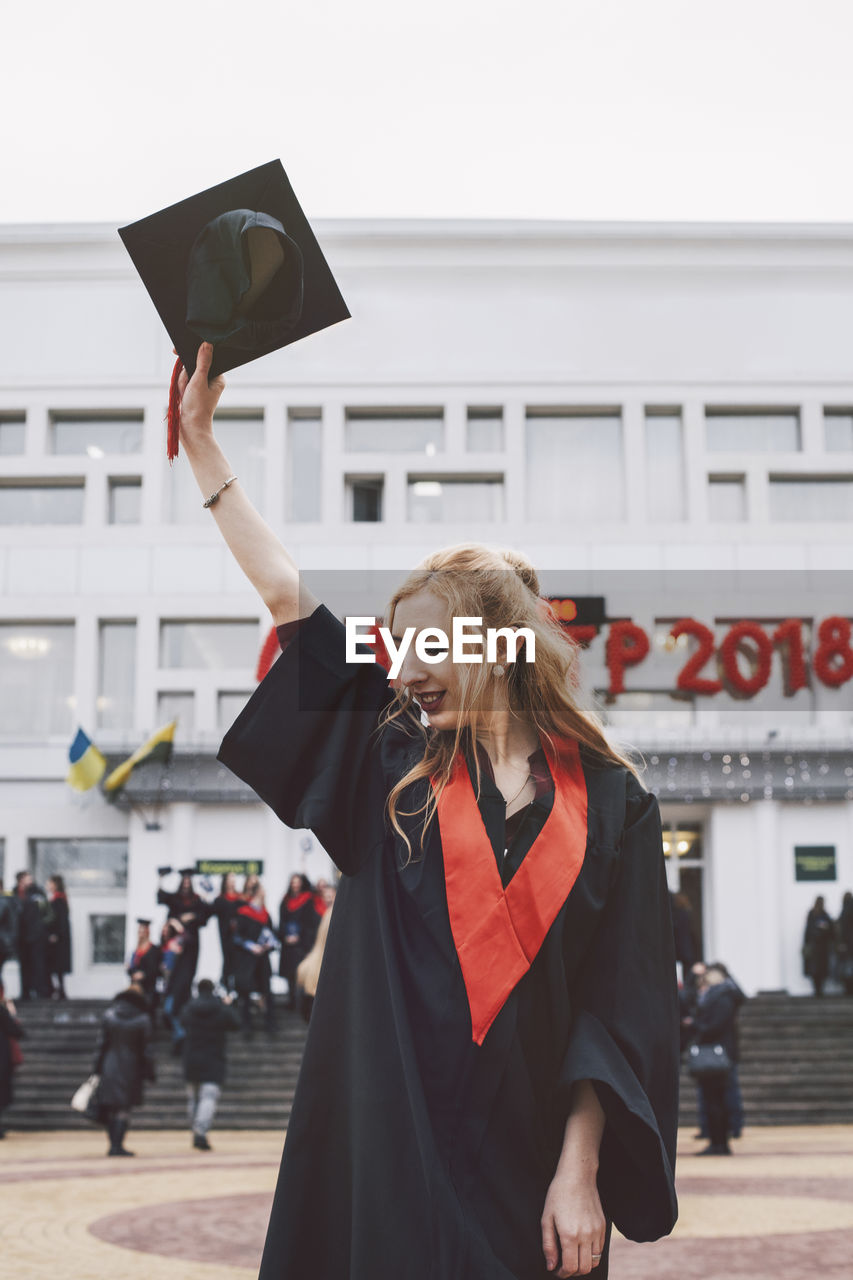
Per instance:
x=139, y=920
x=238, y=266
x=187, y=871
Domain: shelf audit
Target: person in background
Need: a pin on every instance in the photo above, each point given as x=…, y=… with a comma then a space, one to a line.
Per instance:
x=207, y=1021
x=32, y=938
x=143, y=967
x=308, y=972
x=58, y=937
x=8, y=927
x=225, y=908
x=844, y=945
x=255, y=940
x=817, y=944
x=298, y=921
x=686, y=950
x=11, y=1032
x=250, y=884
x=189, y=913
x=714, y=1023
x=123, y=1062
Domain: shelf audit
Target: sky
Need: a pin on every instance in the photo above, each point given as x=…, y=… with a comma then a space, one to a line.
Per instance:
x=617, y=110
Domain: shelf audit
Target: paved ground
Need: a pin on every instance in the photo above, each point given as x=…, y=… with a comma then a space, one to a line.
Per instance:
x=782, y=1206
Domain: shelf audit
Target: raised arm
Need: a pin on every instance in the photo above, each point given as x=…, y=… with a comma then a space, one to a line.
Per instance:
x=257, y=550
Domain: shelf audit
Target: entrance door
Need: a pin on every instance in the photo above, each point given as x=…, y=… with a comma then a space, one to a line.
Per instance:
x=683, y=848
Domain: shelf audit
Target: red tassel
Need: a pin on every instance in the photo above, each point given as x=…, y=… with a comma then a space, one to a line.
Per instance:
x=268, y=654
x=173, y=416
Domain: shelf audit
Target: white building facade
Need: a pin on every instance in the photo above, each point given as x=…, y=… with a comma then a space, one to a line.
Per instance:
x=660, y=416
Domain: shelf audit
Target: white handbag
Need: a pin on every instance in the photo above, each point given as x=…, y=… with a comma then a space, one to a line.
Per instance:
x=83, y=1096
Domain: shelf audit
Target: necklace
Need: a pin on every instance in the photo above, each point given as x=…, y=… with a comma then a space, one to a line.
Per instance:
x=519, y=791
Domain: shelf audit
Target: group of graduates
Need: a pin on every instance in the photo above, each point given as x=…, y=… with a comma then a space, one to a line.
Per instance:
x=828, y=945
x=35, y=927
x=248, y=936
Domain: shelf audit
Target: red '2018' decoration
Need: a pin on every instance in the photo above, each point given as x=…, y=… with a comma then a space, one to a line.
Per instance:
x=688, y=677
x=833, y=658
x=734, y=643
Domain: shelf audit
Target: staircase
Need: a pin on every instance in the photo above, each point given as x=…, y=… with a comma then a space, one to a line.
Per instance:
x=796, y=1056
x=795, y=1061
x=60, y=1046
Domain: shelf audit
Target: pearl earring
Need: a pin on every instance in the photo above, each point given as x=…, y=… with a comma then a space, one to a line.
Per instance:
x=498, y=670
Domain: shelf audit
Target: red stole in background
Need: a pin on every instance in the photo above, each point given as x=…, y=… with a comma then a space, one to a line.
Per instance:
x=498, y=931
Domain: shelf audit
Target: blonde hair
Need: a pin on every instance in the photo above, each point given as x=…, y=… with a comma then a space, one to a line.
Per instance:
x=502, y=588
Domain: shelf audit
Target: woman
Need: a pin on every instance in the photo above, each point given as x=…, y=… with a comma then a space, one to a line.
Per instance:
x=490, y=1074
x=225, y=908
x=298, y=921
x=254, y=939
x=58, y=937
x=817, y=944
x=124, y=1062
x=844, y=952
x=10, y=1032
x=714, y=1022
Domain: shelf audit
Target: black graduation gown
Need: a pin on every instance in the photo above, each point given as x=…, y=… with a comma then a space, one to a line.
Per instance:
x=435, y=1154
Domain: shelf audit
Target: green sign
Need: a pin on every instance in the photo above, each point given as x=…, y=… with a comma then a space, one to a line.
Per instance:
x=815, y=862
x=222, y=866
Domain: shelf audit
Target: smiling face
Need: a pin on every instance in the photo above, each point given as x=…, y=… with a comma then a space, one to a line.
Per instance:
x=436, y=686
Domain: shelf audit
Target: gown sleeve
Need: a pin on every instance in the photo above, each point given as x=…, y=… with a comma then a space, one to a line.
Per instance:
x=625, y=1036
x=307, y=742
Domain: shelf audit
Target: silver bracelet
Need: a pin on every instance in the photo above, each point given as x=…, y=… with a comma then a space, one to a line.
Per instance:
x=214, y=497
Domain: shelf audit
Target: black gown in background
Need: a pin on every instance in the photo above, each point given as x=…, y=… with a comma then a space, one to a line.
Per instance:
x=433, y=1154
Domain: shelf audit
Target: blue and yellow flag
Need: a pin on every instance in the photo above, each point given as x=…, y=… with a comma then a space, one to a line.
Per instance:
x=158, y=747
x=87, y=763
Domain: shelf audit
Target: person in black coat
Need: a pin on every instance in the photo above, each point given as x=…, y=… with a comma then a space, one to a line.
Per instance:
x=191, y=912
x=299, y=919
x=207, y=1021
x=255, y=940
x=123, y=1062
x=58, y=937
x=817, y=944
x=10, y=1030
x=225, y=908
x=714, y=1023
x=844, y=945
x=32, y=938
x=8, y=927
x=686, y=950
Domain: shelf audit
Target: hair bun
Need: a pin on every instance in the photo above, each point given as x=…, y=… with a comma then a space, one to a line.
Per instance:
x=524, y=569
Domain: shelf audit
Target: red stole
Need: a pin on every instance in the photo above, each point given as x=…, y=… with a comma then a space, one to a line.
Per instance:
x=498, y=931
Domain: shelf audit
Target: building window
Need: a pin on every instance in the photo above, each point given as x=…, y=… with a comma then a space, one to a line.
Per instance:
x=36, y=679
x=228, y=707
x=484, y=430
x=180, y=707
x=13, y=434
x=726, y=499
x=416, y=430
x=241, y=435
x=125, y=500
x=41, y=502
x=814, y=499
x=208, y=646
x=437, y=500
x=96, y=435
x=752, y=430
x=838, y=431
x=90, y=865
x=116, y=675
x=304, y=465
x=665, y=486
x=575, y=470
x=364, y=499
x=107, y=938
